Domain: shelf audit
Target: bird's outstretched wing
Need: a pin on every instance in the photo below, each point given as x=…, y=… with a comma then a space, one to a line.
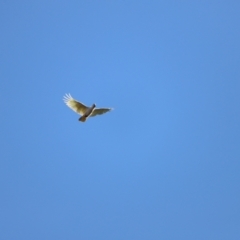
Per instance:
x=76, y=106
x=99, y=111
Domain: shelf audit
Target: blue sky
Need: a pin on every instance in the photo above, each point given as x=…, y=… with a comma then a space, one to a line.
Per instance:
x=164, y=164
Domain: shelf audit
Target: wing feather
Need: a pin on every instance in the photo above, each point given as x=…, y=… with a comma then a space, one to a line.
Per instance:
x=76, y=106
x=99, y=111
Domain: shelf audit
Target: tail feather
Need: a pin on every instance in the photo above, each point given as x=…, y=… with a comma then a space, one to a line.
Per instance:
x=82, y=119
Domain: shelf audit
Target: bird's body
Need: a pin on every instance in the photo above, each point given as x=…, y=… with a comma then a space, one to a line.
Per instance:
x=88, y=113
x=83, y=110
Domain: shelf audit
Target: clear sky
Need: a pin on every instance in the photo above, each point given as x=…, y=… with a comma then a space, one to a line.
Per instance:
x=165, y=164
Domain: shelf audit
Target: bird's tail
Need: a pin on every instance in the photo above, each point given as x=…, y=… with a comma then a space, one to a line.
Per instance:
x=82, y=119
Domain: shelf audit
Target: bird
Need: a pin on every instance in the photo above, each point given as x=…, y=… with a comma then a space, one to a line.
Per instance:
x=82, y=109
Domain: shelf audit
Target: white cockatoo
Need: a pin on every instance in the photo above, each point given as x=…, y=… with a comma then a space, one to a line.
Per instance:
x=83, y=110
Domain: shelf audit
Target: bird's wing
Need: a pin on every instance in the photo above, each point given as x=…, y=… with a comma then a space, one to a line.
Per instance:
x=76, y=106
x=98, y=111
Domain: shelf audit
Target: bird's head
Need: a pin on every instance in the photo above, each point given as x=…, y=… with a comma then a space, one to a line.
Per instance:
x=94, y=105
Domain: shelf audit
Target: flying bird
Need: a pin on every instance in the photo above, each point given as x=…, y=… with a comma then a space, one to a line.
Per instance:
x=83, y=110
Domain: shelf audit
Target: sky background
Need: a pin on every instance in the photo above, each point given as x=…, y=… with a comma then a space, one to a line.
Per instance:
x=164, y=164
